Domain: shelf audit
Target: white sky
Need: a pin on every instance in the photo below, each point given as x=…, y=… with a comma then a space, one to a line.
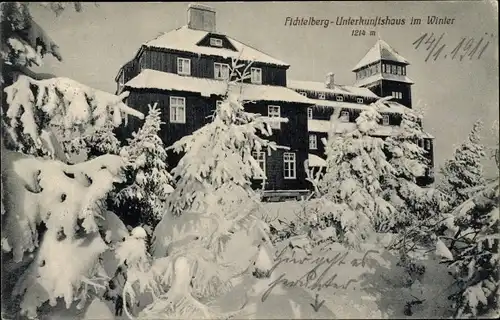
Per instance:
x=97, y=41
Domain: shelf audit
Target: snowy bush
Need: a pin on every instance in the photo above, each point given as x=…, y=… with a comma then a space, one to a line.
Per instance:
x=35, y=106
x=67, y=211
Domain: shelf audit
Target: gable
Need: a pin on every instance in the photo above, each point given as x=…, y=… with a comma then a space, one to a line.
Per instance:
x=207, y=41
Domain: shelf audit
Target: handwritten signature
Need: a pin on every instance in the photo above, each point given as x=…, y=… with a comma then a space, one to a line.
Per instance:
x=311, y=280
x=466, y=47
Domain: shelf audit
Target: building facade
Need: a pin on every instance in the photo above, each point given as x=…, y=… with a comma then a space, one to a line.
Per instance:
x=185, y=73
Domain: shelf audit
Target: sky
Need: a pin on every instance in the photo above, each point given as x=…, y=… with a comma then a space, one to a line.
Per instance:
x=454, y=94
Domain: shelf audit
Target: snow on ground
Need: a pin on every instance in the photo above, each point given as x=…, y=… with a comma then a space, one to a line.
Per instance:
x=349, y=284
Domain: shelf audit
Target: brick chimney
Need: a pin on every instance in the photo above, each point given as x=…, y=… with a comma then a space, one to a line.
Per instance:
x=330, y=80
x=201, y=17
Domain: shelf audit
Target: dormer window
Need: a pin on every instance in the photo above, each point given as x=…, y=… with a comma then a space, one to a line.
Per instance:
x=321, y=96
x=344, y=116
x=256, y=75
x=359, y=100
x=221, y=71
x=303, y=94
x=385, y=119
x=339, y=98
x=183, y=66
x=397, y=95
x=216, y=42
x=428, y=144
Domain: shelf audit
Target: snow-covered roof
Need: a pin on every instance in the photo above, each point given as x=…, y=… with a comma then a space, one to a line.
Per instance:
x=186, y=39
x=315, y=161
x=382, y=76
x=387, y=107
x=338, y=89
x=324, y=126
x=153, y=79
x=380, y=51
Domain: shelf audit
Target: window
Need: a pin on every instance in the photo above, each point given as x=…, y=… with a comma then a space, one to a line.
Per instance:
x=344, y=116
x=260, y=157
x=289, y=165
x=404, y=71
x=221, y=71
x=177, y=110
x=385, y=119
x=215, y=42
x=399, y=70
x=256, y=75
x=359, y=100
x=339, y=98
x=183, y=66
x=313, y=142
x=383, y=68
x=420, y=143
x=274, y=111
x=309, y=113
x=303, y=93
x=321, y=96
x=427, y=144
x=397, y=95
x=394, y=70
x=377, y=68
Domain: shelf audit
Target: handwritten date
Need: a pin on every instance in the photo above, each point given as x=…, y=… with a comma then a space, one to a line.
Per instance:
x=465, y=48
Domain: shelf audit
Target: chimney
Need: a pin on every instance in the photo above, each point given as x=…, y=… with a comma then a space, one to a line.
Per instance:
x=201, y=17
x=330, y=80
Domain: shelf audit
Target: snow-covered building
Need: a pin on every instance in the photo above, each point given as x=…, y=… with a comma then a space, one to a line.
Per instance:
x=380, y=73
x=184, y=71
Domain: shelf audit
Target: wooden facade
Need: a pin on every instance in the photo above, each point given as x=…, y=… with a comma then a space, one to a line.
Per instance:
x=292, y=137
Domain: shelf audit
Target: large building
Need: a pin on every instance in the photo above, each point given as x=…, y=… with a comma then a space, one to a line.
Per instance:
x=185, y=70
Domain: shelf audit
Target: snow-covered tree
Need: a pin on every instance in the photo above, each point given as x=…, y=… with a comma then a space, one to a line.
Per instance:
x=464, y=171
x=142, y=201
x=209, y=234
x=474, y=253
x=356, y=165
x=412, y=202
x=53, y=226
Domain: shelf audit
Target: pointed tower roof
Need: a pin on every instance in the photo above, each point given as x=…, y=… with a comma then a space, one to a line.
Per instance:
x=380, y=51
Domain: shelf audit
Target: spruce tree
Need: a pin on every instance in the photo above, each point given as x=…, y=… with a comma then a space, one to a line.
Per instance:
x=45, y=225
x=356, y=165
x=464, y=171
x=475, y=254
x=209, y=233
x=412, y=202
x=142, y=200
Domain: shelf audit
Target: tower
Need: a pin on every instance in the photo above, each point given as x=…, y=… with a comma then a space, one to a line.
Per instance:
x=383, y=71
